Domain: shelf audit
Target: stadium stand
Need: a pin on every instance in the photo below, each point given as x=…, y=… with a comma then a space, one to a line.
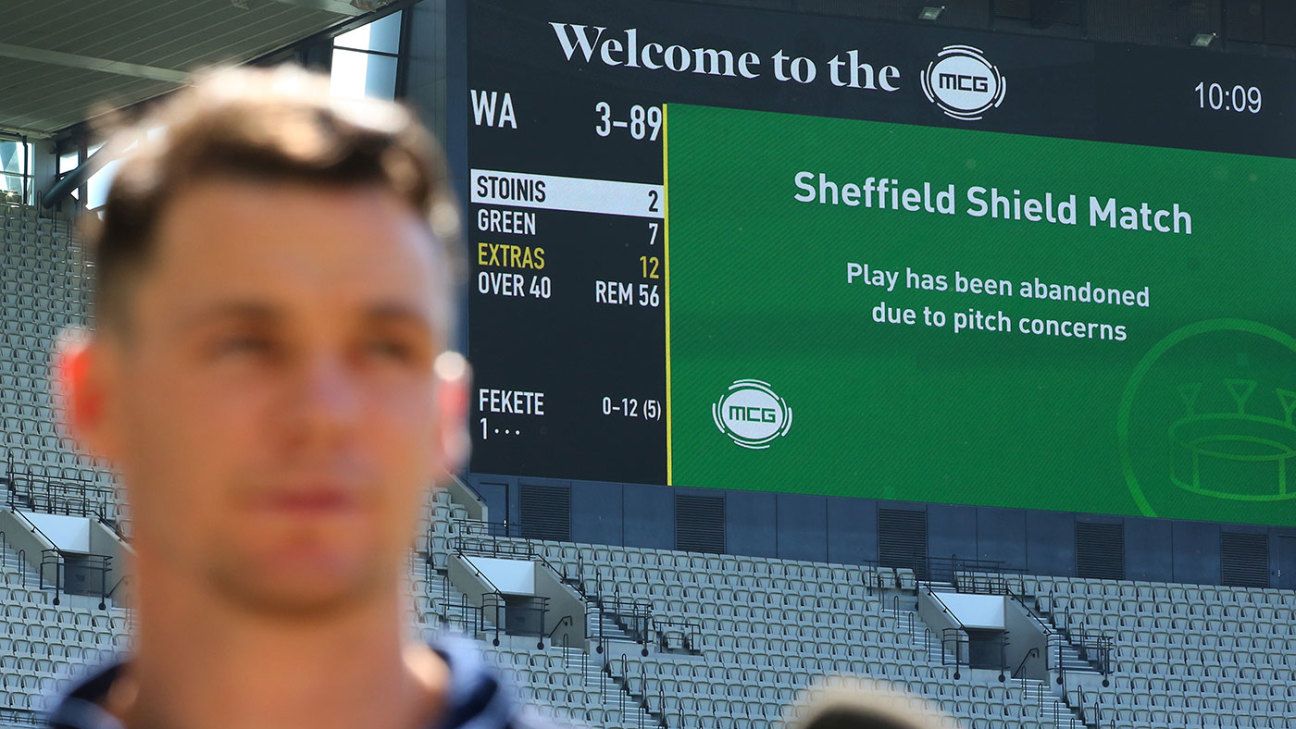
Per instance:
x=673, y=639
x=1187, y=655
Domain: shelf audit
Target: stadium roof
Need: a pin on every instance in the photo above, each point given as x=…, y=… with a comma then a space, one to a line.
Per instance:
x=61, y=59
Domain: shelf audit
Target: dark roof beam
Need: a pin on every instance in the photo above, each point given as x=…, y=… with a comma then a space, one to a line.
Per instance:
x=72, y=60
x=340, y=7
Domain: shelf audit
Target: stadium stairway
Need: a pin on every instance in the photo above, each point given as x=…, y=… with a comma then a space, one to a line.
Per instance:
x=571, y=683
x=44, y=644
x=751, y=667
x=1050, y=710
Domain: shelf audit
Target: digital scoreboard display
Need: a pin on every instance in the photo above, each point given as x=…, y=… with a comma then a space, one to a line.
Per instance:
x=730, y=248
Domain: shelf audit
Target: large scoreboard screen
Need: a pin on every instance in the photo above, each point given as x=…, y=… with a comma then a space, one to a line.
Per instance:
x=730, y=248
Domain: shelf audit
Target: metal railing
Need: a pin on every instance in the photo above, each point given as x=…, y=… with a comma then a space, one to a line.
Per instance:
x=507, y=618
x=639, y=698
x=676, y=634
x=52, y=561
x=53, y=574
x=119, y=590
x=564, y=620
x=944, y=608
x=56, y=495
x=633, y=615
x=482, y=539
x=955, y=649
x=21, y=717
x=1092, y=715
x=1020, y=670
x=1095, y=648
x=23, y=569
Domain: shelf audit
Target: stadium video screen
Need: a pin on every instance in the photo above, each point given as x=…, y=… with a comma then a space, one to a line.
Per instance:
x=729, y=248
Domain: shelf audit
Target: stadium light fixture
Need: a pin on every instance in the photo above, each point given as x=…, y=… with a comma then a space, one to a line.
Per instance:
x=1203, y=40
x=931, y=12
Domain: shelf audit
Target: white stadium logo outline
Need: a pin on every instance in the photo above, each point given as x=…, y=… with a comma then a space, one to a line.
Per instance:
x=751, y=414
x=963, y=83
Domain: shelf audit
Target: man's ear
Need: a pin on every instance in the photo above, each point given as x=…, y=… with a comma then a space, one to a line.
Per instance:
x=79, y=388
x=453, y=378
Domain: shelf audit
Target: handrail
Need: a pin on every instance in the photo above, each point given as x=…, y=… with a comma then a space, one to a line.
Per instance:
x=1059, y=665
x=499, y=604
x=480, y=575
x=564, y=619
x=115, y=526
x=23, y=566
x=951, y=566
x=471, y=538
x=632, y=614
x=933, y=594
x=55, y=558
x=21, y=717
x=103, y=564
x=1100, y=645
x=490, y=600
x=112, y=594
x=959, y=639
x=1043, y=626
x=601, y=640
x=33, y=527
x=690, y=632
x=39, y=491
x=1032, y=653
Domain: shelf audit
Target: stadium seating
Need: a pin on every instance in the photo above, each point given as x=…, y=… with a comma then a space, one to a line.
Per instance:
x=42, y=644
x=768, y=627
x=1187, y=655
x=758, y=630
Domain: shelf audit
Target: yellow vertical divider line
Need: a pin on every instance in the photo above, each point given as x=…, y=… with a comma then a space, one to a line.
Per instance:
x=666, y=274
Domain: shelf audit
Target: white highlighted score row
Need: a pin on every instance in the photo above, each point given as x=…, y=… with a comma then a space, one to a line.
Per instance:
x=573, y=194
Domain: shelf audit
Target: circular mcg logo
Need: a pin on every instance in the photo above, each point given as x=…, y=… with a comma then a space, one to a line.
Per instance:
x=1207, y=424
x=963, y=83
x=751, y=414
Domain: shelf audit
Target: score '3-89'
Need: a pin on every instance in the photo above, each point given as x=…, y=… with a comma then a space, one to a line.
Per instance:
x=643, y=124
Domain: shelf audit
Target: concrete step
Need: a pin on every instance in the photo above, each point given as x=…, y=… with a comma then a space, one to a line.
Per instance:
x=609, y=627
x=1050, y=707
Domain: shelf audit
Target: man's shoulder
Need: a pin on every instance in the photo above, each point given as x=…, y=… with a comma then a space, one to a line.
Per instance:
x=477, y=697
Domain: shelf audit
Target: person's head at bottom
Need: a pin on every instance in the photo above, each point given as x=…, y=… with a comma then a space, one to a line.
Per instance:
x=268, y=376
x=850, y=703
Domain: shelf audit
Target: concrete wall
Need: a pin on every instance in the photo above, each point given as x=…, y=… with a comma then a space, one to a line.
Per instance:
x=564, y=602
x=509, y=576
x=104, y=541
x=975, y=611
x=1025, y=635
x=937, y=617
x=466, y=580
x=842, y=529
x=19, y=535
x=67, y=533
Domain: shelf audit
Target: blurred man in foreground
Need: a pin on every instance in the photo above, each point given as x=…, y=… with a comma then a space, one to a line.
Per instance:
x=268, y=374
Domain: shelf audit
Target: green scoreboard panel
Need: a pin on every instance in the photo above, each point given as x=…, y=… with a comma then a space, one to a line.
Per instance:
x=902, y=312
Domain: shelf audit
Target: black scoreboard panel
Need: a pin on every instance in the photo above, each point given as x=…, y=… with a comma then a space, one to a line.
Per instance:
x=567, y=306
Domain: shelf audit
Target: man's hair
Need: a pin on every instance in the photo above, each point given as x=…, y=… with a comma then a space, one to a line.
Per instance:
x=276, y=125
x=840, y=702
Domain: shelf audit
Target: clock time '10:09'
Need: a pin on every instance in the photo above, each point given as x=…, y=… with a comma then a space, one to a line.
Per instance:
x=1218, y=97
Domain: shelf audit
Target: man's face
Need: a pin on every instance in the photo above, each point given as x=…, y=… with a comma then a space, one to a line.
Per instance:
x=272, y=405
